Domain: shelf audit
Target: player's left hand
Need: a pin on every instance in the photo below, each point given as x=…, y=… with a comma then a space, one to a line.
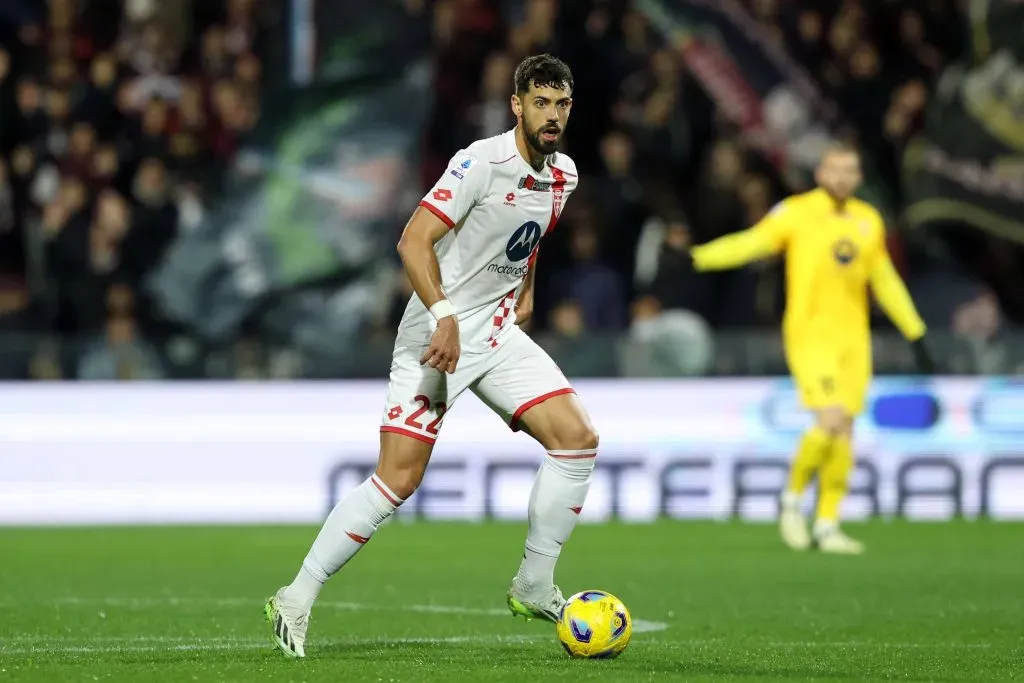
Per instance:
x=922, y=357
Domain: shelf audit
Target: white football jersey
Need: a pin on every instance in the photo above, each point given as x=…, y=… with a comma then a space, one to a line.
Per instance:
x=498, y=208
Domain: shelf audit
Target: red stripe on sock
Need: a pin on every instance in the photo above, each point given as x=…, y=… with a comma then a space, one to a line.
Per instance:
x=357, y=538
x=394, y=500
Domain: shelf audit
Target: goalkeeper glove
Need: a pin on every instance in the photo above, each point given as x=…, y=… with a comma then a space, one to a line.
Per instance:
x=922, y=357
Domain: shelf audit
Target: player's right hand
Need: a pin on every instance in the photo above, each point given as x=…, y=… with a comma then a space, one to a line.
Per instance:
x=443, y=352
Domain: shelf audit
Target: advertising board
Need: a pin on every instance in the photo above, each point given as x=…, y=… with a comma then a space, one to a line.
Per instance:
x=282, y=453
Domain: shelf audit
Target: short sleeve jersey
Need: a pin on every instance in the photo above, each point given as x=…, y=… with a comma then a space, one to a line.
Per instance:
x=498, y=209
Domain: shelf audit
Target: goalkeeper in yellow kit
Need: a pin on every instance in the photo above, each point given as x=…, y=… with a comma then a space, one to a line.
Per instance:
x=835, y=247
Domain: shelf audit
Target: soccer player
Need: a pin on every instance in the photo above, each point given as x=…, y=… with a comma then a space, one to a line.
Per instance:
x=835, y=247
x=469, y=250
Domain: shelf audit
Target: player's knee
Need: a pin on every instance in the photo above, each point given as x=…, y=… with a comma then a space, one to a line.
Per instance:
x=401, y=474
x=575, y=436
x=403, y=481
x=402, y=463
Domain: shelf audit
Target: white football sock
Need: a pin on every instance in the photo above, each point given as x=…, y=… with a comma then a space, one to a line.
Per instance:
x=555, y=503
x=347, y=529
x=791, y=501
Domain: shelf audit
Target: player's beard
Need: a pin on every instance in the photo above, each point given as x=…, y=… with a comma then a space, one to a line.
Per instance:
x=541, y=145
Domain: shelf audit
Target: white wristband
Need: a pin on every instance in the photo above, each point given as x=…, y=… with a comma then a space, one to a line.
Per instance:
x=442, y=309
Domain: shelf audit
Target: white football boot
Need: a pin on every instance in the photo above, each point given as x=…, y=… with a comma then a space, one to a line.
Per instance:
x=828, y=538
x=288, y=624
x=792, y=525
x=545, y=603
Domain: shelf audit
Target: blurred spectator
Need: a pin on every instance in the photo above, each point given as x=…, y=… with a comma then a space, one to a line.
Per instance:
x=596, y=287
x=79, y=157
x=58, y=111
x=578, y=351
x=662, y=130
x=154, y=217
x=119, y=355
x=905, y=111
x=619, y=196
x=215, y=62
x=105, y=167
x=13, y=302
x=249, y=363
x=189, y=144
x=492, y=114
x=149, y=137
x=567, y=320
x=235, y=116
x=807, y=36
x=718, y=211
x=10, y=237
x=98, y=100
x=84, y=253
x=240, y=27
x=45, y=363
x=663, y=265
x=32, y=120
x=920, y=58
x=675, y=343
x=6, y=100
x=980, y=336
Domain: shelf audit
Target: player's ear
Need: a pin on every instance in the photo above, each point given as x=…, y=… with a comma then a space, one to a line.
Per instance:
x=517, y=106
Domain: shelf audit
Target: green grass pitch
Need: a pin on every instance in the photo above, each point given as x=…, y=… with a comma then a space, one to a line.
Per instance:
x=425, y=602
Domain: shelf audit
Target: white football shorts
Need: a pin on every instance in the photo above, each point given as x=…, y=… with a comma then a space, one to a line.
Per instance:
x=510, y=379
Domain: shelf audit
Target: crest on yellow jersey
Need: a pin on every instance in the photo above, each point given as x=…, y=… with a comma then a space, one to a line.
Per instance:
x=845, y=251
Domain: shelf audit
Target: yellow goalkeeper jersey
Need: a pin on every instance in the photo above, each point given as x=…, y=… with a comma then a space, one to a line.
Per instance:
x=832, y=255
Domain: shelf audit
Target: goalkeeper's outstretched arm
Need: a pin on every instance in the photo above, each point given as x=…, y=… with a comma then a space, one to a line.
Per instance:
x=764, y=239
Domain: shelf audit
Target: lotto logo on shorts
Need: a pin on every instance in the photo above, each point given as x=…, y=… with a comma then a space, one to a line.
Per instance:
x=395, y=412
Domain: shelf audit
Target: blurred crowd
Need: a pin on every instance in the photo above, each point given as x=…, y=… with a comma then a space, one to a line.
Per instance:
x=662, y=169
x=119, y=120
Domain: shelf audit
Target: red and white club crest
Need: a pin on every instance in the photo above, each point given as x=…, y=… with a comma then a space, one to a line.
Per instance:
x=557, y=190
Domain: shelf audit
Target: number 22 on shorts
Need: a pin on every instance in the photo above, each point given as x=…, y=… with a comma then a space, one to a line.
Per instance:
x=414, y=421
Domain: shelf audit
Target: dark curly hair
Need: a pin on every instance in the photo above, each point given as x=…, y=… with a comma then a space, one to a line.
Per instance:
x=542, y=70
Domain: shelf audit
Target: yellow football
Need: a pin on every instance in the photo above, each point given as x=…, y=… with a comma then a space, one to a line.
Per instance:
x=594, y=624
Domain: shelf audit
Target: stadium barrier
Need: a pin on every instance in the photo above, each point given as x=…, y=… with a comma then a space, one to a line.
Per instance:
x=282, y=453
